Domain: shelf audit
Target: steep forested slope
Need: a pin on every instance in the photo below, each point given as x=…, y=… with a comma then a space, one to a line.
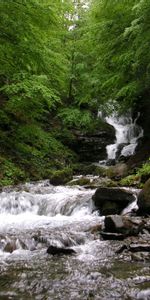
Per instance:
x=33, y=80
x=59, y=61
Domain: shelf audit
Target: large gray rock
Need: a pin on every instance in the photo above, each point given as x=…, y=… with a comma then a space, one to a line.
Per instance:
x=144, y=199
x=123, y=224
x=112, y=200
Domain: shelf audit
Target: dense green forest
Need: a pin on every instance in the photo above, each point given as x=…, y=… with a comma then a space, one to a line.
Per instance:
x=59, y=61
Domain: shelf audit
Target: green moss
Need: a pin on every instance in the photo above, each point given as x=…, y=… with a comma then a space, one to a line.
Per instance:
x=111, y=183
x=61, y=177
x=81, y=181
x=137, y=179
x=144, y=172
x=131, y=180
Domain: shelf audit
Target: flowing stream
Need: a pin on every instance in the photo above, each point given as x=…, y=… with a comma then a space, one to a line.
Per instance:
x=34, y=216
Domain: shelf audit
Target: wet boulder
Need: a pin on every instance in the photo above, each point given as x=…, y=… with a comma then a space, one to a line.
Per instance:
x=54, y=250
x=10, y=246
x=111, y=200
x=144, y=199
x=118, y=171
x=123, y=224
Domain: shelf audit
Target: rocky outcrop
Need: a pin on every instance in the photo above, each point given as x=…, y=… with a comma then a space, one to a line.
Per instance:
x=142, y=152
x=144, y=120
x=141, y=155
x=92, y=146
x=144, y=199
x=112, y=200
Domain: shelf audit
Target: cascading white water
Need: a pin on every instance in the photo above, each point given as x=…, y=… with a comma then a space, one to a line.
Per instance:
x=127, y=133
x=44, y=207
x=34, y=216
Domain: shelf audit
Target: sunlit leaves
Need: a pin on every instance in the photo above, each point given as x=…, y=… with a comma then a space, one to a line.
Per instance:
x=119, y=32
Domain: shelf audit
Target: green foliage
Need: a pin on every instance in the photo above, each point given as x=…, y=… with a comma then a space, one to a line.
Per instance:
x=131, y=180
x=74, y=117
x=53, y=77
x=30, y=97
x=38, y=151
x=141, y=176
x=113, y=56
x=144, y=173
x=34, y=69
x=10, y=173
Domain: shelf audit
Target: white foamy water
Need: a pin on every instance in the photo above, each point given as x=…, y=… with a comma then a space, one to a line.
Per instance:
x=62, y=214
x=127, y=135
x=34, y=216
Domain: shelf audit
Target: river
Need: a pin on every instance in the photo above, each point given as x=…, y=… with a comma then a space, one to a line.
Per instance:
x=36, y=215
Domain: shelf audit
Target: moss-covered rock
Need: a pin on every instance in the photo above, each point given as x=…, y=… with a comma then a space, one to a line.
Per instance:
x=118, y=171
x=131, y=180
x=61, y=177
x=88, y=169
x=81, y=181
x=144, y=172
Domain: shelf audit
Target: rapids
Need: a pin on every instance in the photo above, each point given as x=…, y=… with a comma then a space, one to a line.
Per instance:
x=36, y=215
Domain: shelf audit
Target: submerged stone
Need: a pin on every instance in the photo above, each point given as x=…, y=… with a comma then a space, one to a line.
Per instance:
x=60, y=251
x=112, y=236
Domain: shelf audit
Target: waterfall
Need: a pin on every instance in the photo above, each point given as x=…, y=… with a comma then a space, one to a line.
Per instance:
x=127, y=132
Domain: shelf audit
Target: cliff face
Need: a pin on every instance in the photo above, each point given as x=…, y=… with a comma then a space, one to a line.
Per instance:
x=92, y=146
x=144, y=119
x=143, y=149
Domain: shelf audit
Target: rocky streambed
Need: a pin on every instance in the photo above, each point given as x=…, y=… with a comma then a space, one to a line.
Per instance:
x=34, y=217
